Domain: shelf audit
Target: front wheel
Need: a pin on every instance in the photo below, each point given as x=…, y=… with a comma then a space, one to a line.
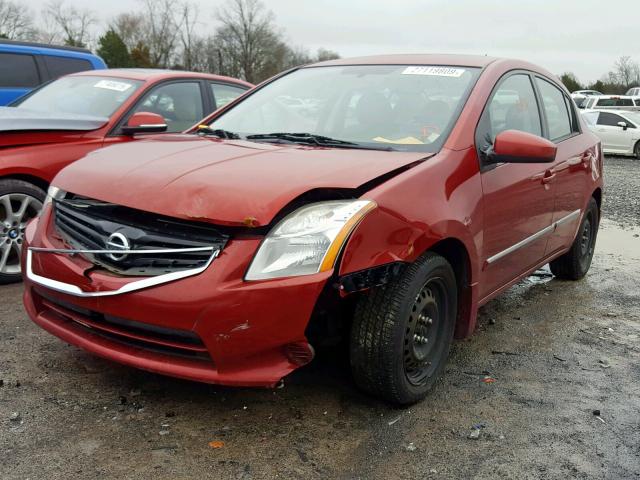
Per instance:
x=19, y=202
x=575, y=264
x=637, y=150
x=402, y=332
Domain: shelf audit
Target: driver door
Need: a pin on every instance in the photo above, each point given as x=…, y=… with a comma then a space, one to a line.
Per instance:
x=518, y=198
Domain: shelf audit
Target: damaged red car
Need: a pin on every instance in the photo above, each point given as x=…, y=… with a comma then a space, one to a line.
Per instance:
x=384, y=199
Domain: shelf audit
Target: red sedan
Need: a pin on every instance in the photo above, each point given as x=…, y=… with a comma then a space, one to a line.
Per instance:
x=68, y=118
x=383, y=198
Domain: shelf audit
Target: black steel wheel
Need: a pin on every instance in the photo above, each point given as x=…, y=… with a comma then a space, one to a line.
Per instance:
x=575, y=264
x=402, y=332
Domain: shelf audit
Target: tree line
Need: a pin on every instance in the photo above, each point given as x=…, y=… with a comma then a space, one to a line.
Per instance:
x=624, y=75
x=245, y=43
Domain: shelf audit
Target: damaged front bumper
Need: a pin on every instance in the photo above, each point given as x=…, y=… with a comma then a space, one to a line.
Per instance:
x=210, y=327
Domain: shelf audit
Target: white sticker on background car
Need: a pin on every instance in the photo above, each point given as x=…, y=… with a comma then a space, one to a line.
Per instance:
x=113, y=85
x=437, y=71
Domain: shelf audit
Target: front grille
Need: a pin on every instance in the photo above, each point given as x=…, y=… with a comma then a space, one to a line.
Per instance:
x=87, y=224
x=168, y=341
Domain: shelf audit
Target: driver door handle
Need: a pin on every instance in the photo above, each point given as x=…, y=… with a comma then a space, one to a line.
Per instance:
x=548, y=177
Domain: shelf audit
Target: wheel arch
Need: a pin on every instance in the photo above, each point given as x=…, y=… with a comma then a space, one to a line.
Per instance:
x=455, y=252
x=33, y=179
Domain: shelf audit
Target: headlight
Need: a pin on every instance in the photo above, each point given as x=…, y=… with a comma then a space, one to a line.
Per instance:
x=52, y=193
x=308, y=240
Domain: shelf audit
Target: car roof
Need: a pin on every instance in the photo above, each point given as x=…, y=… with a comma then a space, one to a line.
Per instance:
x=153, y=75
x=414, y=59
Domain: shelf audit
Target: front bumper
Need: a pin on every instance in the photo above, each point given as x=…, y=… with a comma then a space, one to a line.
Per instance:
x=250, y=333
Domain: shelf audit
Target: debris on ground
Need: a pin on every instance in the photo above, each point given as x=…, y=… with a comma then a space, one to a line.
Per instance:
x=15, y=417
x=475, y=434
x=411, y=447
x=488, y=380
x=391, y=422
x=216, y=444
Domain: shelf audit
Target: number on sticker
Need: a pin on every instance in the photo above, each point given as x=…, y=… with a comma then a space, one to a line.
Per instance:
x=434, y=71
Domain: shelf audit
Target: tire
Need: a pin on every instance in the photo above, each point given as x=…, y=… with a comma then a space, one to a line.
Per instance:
x=636, y=150
x=575, y=264
x=389, y=356
x=13, y=195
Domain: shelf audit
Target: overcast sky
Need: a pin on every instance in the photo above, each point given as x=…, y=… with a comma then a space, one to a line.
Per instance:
x=581, y=36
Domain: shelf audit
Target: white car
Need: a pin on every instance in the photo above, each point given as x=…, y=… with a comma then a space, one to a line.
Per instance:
x=611, y=102
x=618, y=130
x=633, y=92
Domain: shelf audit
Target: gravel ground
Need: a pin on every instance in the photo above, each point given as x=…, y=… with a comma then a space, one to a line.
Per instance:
x=550, y=381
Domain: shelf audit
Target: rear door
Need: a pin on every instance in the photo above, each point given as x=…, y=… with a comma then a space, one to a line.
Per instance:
x=571, y=171
x=518, y=198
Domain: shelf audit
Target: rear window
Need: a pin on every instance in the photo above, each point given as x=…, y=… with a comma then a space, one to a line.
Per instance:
x=59, y=66
x=615, y=102
x=17, y=70
x=225, y=93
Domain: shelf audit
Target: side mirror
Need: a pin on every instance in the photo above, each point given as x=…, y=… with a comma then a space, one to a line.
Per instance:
x=623, y=125
x=514, y=146
x=144, y=122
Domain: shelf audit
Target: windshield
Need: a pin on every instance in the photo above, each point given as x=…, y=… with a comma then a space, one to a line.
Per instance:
x=82, y=95
x=634, y=117
x=404, y=107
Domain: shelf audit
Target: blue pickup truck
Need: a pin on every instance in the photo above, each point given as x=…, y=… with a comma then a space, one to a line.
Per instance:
x=24, y=66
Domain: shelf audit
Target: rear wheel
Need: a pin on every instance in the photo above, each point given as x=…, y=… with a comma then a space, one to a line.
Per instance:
x=575, y=264
x=402, y=332
x=19, y=202
x=636, y=150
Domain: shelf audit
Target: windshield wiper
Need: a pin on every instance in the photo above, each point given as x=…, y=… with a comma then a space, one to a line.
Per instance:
x=217, y=132
x=313, y=139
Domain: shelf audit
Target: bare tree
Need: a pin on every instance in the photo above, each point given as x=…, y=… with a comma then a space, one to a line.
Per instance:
x=130, y=27
x=248, y=40
x=16, y=21
x=190, y=40
x=163, y=24
x=73, y=23
x=624, y=70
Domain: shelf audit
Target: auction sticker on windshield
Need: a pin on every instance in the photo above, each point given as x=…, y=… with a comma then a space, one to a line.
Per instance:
x=435, y=71
x=112, y=85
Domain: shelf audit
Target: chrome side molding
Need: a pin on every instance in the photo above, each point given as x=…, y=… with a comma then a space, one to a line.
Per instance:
x=71, y=289
x=533, y=237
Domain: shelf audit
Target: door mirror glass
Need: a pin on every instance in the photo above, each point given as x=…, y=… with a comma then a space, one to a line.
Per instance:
x=144, y=122
x=514, y=146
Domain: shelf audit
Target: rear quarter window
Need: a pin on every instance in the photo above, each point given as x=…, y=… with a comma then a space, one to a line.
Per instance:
x=18, y=70
x=59, y=66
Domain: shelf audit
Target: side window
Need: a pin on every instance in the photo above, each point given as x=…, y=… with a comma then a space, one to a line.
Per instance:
x=512, y=106
x=609, y=119
x=223, y=93
x=591, y=117
x=18, y=70
x=179, y=103
x=59, y=66
x=555, y=109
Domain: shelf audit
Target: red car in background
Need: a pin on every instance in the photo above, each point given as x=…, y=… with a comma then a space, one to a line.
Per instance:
x=64, y=120
x=384, y=199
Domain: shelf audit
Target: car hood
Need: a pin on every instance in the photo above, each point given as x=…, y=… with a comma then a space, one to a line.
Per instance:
x=227, y=182
x=13, y=119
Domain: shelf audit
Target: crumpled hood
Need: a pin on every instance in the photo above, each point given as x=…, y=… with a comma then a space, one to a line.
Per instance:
x=225, y=182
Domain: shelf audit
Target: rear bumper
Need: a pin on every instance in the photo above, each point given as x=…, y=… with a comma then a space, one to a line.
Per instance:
x=249, y=333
